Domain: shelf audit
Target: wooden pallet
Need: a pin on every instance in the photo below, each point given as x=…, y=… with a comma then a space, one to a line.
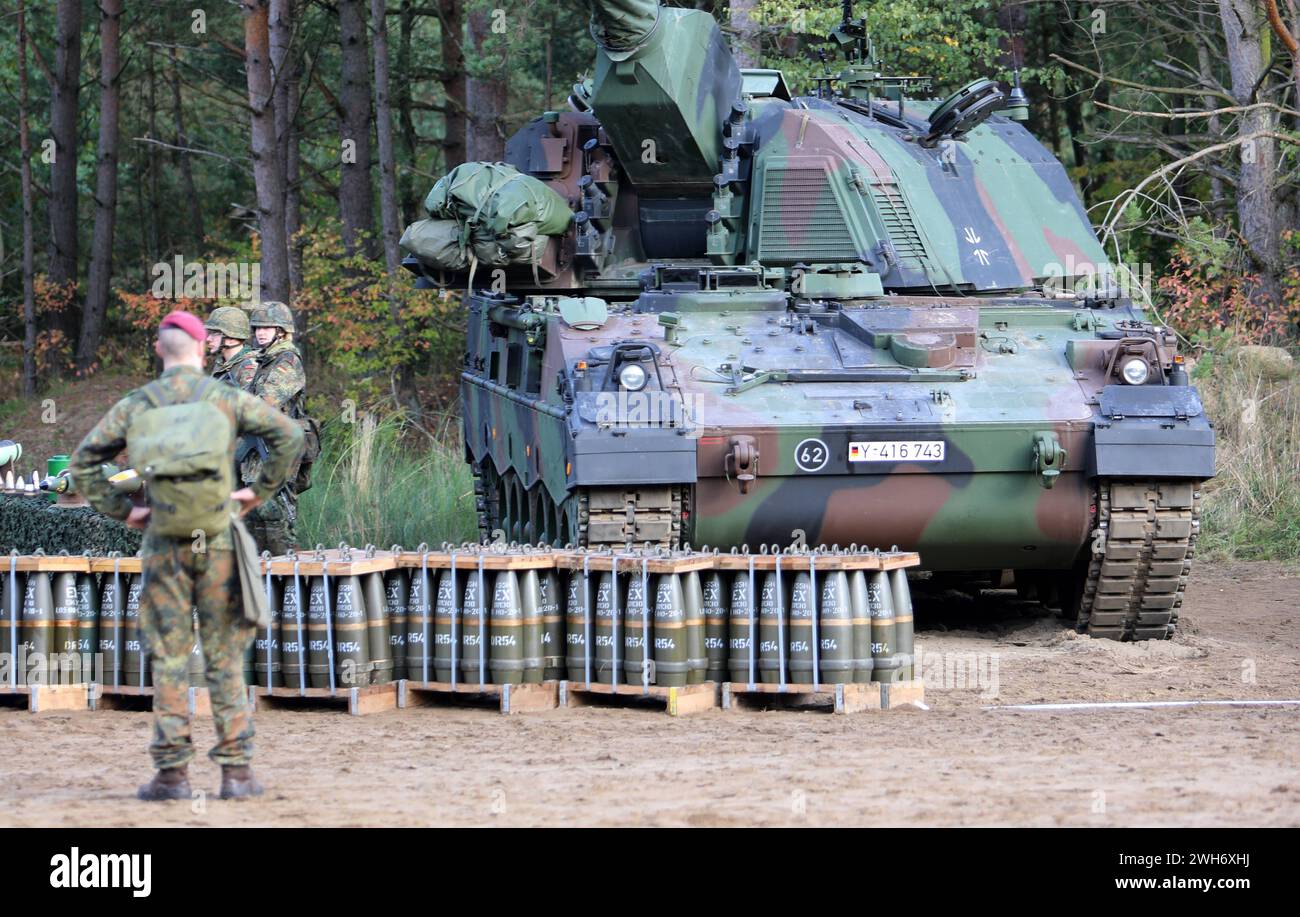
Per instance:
x=335, y=562
x=359, y=700
x=508, y=698
x=468, y=559
x=676, y=701
x=133, y=697
x=821, y=562
x=632, y=561
x=840, y=698
x=46, y=563
x=46, y=698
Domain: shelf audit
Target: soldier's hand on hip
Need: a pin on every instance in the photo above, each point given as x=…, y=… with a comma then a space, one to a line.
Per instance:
x=246, y=499
x=138, y=518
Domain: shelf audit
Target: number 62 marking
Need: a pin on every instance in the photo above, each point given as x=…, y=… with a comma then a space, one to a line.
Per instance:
x=811, y=455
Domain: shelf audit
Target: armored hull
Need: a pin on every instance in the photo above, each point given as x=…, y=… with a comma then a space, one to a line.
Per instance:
x=883, y=322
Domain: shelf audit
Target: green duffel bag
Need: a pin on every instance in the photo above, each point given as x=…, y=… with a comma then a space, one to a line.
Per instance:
x=516, y=221
x=436, y=243
x=459, y=194
x=183, y=452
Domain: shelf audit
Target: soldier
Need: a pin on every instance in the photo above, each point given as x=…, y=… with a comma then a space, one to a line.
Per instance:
x=184, y=573
x=234, y=359
x=280, y=382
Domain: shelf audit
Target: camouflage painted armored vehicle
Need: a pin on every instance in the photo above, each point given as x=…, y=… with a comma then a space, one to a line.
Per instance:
x=851, y=316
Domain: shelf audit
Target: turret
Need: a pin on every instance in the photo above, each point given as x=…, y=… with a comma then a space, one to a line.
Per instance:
x=664, y=86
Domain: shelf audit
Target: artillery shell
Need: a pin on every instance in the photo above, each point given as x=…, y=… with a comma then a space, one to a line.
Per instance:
x=799, y=648
x=506, y=648
x=903, y=634
x=318, y=635
x=295, y=635
x=135, y=654
x=420, y=623
x=861, y=607
x=638, y=631
x=445, y=626
x=352, y=664
x=380, y=648
x=884, y=664
x=267, y=668
x=697, y=660
x=740, y=631
x=474, y=626
x=773, y=624
x=671, y=632
x=36, y=629
x=87, y=624
x=396, y=593
x=112, y=607
x=576, y=625
x=715, y=625
x=835, y=629
x=64, y=646
x=605, y=624
x=530, y=600
x=548, y=594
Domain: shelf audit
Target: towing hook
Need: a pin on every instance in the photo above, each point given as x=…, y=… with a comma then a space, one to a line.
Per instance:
x=742, y=460
x=1049, y=457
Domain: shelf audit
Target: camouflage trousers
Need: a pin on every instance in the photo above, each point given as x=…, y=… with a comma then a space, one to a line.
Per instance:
x=177, y=582
x=272, y=524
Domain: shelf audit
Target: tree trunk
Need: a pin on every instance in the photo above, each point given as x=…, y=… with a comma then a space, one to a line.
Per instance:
x=192, y=200
x=284, y=66
x=63, y=128
x=485, y=91
x=156, y=217
x=267, y=175
x=63, y=171
x=29, y=244
x=451, y=15
x=101, y=252
x=1243, y=26
x=745, y=45
x=356, y=201
x=406, y=193
x=404, y=381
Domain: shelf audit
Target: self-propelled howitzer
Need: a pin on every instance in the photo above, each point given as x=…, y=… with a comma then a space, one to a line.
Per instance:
x=704, y=309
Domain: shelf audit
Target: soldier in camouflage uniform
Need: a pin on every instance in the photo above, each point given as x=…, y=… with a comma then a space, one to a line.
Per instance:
x=281, y=382
x=234, y=360
x=179, y=578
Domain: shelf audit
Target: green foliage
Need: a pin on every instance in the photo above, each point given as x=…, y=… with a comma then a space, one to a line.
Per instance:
x=1251, y=509
x=371, y=486
x=953, y=42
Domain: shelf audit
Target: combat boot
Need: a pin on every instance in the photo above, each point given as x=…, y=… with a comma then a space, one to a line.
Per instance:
x=168, y=783
x=238, y=782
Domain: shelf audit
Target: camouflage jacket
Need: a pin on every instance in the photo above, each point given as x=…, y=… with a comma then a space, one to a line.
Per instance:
x=239, y=369
x=248, y=416
x=280, y=379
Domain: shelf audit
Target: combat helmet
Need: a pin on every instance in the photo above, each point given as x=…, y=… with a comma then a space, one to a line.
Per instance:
x=231, y=321
x=272, y=315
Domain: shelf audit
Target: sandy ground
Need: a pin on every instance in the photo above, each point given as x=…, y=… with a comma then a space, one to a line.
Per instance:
x=954, y=764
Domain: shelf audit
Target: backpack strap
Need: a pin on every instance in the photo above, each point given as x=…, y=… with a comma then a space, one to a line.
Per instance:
x=201, y=388
x=154, y=393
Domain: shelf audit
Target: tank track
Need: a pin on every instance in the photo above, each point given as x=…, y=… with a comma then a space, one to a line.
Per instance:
x=605, y=516
x=1143, y=545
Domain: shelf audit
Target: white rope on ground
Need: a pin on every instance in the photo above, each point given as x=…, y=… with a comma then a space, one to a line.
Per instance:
x=1138, y=704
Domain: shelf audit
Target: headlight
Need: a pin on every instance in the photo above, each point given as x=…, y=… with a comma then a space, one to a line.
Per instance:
x=1135, y=371
x=632, y=377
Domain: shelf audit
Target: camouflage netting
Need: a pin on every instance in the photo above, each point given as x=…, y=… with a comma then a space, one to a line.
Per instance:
x=28, y=524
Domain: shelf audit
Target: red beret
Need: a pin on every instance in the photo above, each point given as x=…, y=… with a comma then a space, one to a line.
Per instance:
x=190, y=324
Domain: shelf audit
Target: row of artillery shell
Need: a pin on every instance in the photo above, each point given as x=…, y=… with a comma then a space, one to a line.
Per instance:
x=340, y=619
